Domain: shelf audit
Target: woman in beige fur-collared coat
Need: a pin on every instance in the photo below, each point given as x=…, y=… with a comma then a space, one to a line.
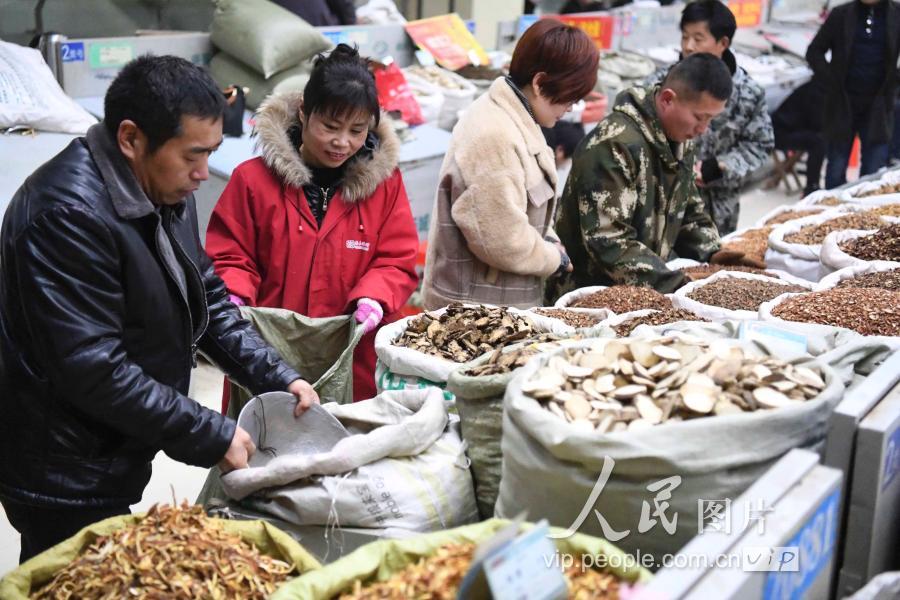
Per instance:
x=491, y=238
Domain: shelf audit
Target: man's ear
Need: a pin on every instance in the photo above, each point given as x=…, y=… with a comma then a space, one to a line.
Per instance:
x=131, y=140
x=667, y=96
x=725, y=42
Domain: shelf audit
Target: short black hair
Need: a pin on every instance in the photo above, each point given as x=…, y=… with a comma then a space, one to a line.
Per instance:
x=566, y=134
x=716, y=15
x=700, y=73
x=341, y=83
x=155, y=92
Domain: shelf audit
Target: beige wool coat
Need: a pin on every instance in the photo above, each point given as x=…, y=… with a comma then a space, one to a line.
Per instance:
x=494, y=206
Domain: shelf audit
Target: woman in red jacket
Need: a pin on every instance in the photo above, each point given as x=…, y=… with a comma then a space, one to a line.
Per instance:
x=320, y=224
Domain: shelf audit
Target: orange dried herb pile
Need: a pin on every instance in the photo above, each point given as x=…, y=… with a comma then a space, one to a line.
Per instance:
x=174, y=552
x=438, y=577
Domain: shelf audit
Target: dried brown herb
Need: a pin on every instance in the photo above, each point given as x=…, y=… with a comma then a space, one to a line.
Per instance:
x=173, y=553
x=624, y=298
x=869, y=311
x=741, y=294
x=816, y=234
x=752, y=242
x=887, y=280
x=570, y=317
x=659, y=317
x=884, y=244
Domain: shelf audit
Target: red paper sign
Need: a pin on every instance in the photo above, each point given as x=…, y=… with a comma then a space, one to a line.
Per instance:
x=447, y=40
x=598, y=27
x=747, y=13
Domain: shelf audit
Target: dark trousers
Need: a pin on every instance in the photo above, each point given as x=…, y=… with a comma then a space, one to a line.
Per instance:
x=874, y=156
x=42, y=527
x=815, y=147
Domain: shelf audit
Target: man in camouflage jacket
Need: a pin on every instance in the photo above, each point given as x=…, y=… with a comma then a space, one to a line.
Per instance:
x=631, y=202
x=738, y=141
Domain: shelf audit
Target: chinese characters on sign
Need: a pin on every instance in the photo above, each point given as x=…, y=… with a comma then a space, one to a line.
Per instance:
x=747, y=13
x=598, y=27
x=448, y=40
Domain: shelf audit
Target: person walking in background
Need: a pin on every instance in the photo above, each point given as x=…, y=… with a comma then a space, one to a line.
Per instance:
x=563, y=138
x=798, y=126
x=863, y=37
x=491, y=238
x=631, y=203
x=320, y=224
x=740, y=140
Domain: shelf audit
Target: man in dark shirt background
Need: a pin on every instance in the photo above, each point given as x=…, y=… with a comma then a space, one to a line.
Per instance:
x=861, y=79
x=322, y=13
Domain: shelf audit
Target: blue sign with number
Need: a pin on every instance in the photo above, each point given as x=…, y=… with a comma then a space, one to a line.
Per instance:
x=816, y=542
x=72, y=52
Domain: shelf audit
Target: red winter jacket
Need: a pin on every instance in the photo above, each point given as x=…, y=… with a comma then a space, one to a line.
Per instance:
x=267, y=247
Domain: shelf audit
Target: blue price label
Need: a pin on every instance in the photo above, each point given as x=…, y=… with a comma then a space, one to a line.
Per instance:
x=72, y=52
x=891, y=460
x=816, y=542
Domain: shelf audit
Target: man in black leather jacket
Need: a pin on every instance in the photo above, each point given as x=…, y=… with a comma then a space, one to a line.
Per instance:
x=106, y=295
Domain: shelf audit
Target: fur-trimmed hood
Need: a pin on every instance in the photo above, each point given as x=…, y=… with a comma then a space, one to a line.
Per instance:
x=277, y=128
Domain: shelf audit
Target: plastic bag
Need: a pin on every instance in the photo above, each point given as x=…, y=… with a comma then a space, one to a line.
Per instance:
x=395, y=95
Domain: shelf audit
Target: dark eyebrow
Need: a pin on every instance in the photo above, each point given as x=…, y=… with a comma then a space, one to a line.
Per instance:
x=203, y=150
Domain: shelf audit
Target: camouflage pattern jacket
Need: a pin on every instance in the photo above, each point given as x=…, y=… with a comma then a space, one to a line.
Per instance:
x=740, y=140
x=630, y=203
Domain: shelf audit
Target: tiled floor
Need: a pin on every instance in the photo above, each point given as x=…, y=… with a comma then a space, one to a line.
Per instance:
x=206, y=388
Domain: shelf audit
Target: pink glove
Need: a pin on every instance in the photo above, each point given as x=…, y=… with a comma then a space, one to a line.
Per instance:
x=235, y=300
x=369, y=313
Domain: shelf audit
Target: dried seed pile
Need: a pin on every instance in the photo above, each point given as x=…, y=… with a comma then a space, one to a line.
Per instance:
x=479, y=72
x=570, y=317
x=172, y=553
x=886, y=210
x=830, y=201
x=869, y=311
x=741, y=294
x=438, y=577
x=884, y=244
x=889, y=188
x=886, y=280
x=624, y=385
x=704, y=271
x=463, y=333
x=624, y=298
x=752, y=242
x=816, y=234
x=790, y=215
x=659, y=317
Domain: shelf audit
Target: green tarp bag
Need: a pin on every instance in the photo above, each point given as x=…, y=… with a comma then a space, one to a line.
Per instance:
x=320, y=349
x=38, y=571
x=264, y=36
x=379, y=560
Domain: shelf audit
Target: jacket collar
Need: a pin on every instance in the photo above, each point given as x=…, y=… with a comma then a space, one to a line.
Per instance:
x=503, y=96
x=128, y=198
x=639, y=105
x=277, y=123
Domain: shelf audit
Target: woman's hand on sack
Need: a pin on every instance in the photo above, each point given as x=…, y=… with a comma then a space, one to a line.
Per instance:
x=565, y=264
x=733, y=257
x=239, y=452
x=305, y=394
x=369, y=313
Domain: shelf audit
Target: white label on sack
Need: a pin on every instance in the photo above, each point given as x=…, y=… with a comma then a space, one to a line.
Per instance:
x=764, y=332
x=525, y=569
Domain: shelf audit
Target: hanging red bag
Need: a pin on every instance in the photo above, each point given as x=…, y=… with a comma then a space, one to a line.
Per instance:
x=394, y=94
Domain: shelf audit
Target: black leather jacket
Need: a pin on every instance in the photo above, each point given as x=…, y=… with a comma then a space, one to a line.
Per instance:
x=98, y=333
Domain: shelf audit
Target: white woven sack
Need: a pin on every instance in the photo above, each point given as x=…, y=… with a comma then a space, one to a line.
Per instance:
x=876, y=266
x=455, y=99
x=816, y=197
x=406, y=361
x=834, y=259
x=801, y=260
x=889, y=178
x=717, y=313
x=566, y=299
x=429, y=96
x=600, y=313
